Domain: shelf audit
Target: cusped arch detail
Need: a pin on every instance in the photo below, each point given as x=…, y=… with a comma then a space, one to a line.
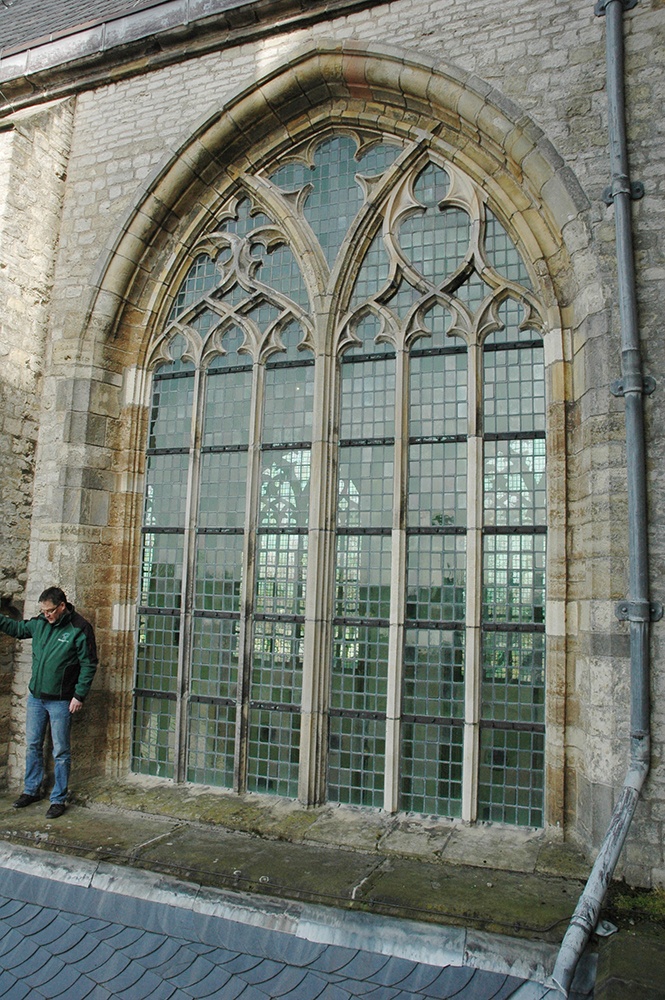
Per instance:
x=472, y=124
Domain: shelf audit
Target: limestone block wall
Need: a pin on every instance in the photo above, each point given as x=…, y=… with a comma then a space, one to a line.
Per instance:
x=549, y=61
x=34, y=148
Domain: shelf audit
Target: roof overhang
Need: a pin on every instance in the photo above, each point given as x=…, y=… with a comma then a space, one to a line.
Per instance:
x=100, y=51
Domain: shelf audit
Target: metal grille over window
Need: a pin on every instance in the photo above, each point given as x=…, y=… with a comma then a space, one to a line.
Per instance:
x=342, y=590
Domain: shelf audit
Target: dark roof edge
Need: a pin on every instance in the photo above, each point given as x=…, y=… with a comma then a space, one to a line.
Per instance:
x=95, y=53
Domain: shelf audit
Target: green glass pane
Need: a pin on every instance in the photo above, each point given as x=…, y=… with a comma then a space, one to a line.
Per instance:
x=359, y=668
x=368, y=399
x=171, y=412
x=214, y=659
x=513, y=687
x=284, y=499
x=373, y=273
x=281, y=570
x=514, y=482
x=438, y=395
x=165, y=491
x=511, y=777
x=514, y=578
x=211, y=744
x=473, y=292
x=223, y=488
x=356, y=761
x=437, y=484
x=436, y=578
x=157, y=642
x=287, y=412
x=153, y=741
x=227, y=408
x=201, y=278
x=365, y=491
x=161, y=570
x=363, y=576
x=431, y=769
x=501, y=252
x=277, y=659
x=514, y=391
x=218, y=572
x=433, y=673
x=232, y=341
x=273, y=752
x=280, y=271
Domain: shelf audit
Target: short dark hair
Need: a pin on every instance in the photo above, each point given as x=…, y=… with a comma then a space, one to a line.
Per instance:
x=53, y=594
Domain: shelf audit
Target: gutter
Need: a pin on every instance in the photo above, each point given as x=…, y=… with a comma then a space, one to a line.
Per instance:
x=638, y=610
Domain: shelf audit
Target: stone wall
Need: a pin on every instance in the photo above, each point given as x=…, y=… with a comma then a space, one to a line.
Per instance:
x=33, y=162
x=549, y=61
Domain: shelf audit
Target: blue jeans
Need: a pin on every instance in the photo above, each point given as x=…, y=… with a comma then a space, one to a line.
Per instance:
x=39, y=714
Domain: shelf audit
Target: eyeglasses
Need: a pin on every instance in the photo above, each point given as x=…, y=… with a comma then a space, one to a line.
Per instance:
x=50, y=611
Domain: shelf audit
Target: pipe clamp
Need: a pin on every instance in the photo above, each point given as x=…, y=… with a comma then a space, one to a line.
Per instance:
x=635, y=189
x=639, y=611
x=637, y=383
x=601, y=6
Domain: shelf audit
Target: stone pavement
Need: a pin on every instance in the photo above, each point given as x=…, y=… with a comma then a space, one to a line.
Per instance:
x=515, y=894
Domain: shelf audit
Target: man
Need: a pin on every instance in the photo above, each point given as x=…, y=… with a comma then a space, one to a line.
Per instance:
x=64, y=661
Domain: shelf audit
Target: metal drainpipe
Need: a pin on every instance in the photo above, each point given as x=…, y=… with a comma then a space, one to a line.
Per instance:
x=638, y=610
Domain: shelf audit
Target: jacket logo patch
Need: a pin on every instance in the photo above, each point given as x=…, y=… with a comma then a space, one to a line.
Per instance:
x=63, y=638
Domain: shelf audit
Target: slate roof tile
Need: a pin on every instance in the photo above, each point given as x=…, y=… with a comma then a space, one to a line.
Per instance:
x=11, y=989
x=261, y=973
x=162, y=954
x=81, y=989
x=452, y=980
x=212, y=983
x=146, y=944
x=333, y=992
x=333, y=959
x=285, y=981
x=194, y=972
x=242, y=963
x=107, y=971
x=84, y=947
x=420, y=978
x=61, y=983
x=364, y=965
x=50, y=931
x=394, y=972
x=507, y=988
x=48, y=971
x=95, y=958
x=26, y=960
x=71, y=939
x=28, y=912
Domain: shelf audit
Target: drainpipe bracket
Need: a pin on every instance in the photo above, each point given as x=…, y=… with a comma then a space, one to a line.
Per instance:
x=639, y=611
x=637, y=383
x=635, y=189
x=601, y=6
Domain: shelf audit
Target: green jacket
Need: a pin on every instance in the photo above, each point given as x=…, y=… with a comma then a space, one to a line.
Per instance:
x=64, y=655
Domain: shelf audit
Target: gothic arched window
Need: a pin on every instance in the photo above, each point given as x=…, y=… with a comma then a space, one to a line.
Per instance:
x=343, y=565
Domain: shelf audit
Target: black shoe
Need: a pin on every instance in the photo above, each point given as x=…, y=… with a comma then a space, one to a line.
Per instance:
x=26, y=800
x=55, y=809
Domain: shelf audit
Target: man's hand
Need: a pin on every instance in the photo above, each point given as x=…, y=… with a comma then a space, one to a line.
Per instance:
x=75, y=705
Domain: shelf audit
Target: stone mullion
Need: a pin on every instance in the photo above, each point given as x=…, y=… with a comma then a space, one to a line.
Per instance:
x=397, y=586
x=247, y=587
x=189, y=567
x=320, y=584
x=472, y=668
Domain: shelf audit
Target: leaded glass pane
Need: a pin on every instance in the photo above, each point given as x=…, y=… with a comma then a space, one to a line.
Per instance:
x=273, y=752
x=514, y=579
x=501, y=252
x=437, y=484
x=171, y=413
x=356, y=761
x=153, y=744
x=373, y=273
x=277, y=662
x=368, y=399
x=515, y=482
x=432, y=769
x=201, y=278
x=436, y=578
x=218, y=572
x=285, y=477
x=166, y=490
x=226, y=417
x=511, y=777
x=363, y=576
x=513, y=688
x=157, y=643
x=214, y=660
x=434, y=673
x=289, y=394
x=211, y=744
x=439, y=392
x=223, y=489
x=514, y=390
x=161, y=572
x=281, y=569
x=359, y=668
x=365, y=486
x=280, y=271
